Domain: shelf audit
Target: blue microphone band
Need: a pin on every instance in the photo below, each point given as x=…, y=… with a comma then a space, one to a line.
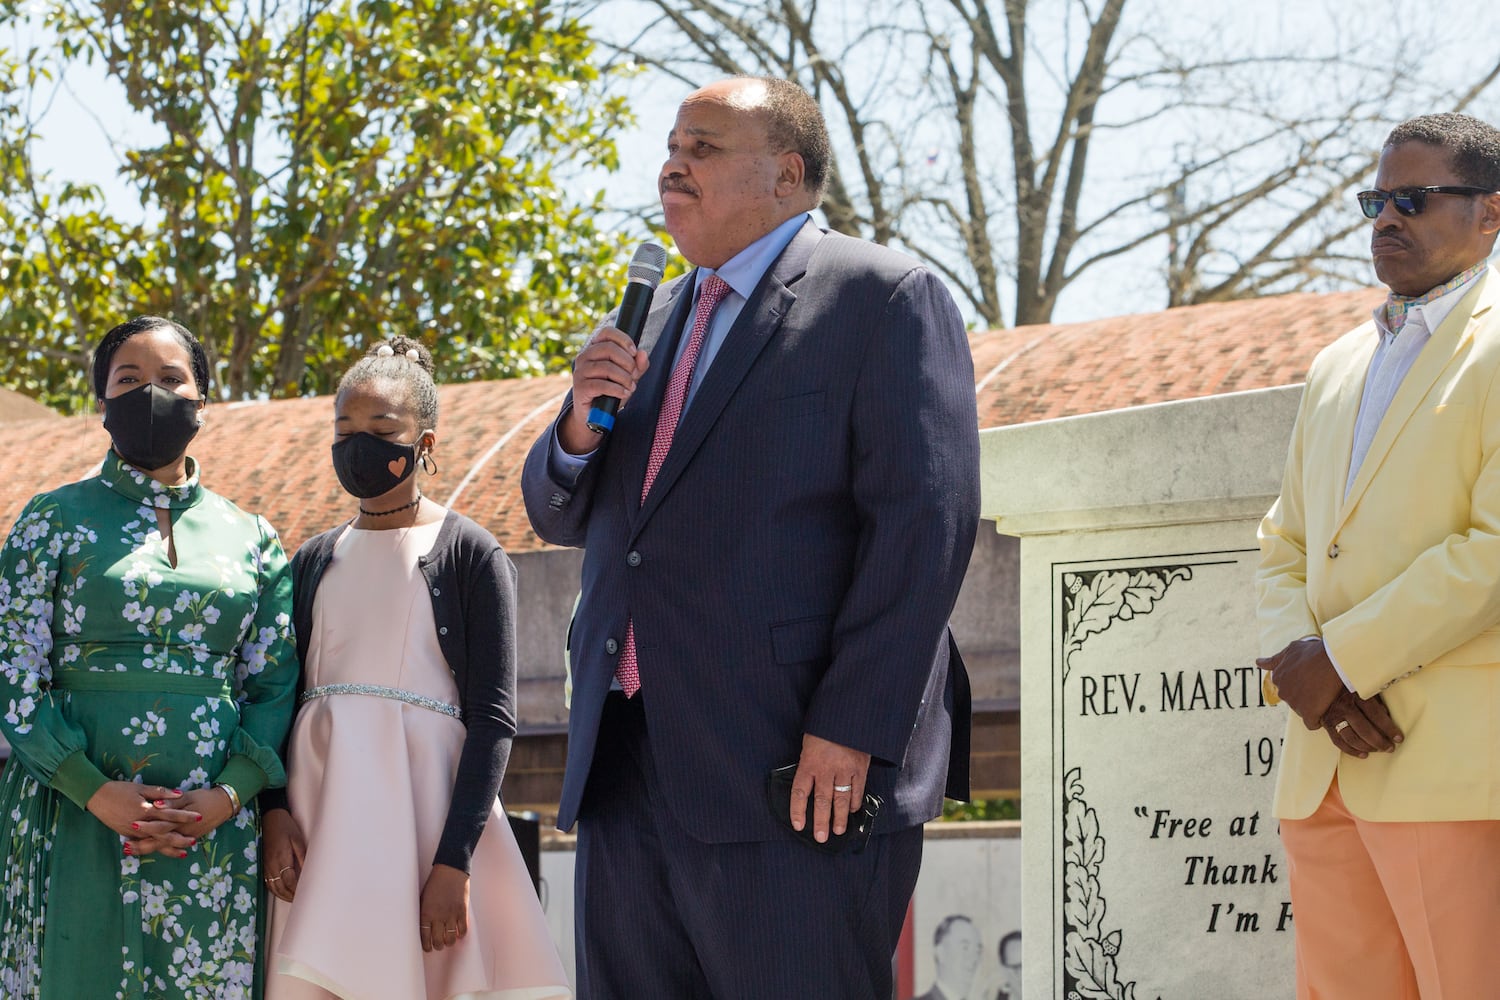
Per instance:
x=601, y=421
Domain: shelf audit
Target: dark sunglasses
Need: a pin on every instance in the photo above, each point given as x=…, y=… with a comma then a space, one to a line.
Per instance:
x=1409, y=201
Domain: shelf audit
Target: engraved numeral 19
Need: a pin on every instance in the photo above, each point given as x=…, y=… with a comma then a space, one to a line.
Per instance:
x=1259, y=754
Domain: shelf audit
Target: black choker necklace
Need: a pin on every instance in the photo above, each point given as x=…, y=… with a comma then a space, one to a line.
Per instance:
x=393, y=510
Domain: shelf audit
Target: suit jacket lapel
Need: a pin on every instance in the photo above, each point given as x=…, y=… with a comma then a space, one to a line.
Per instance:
x=756, y=324
x=1451, y=335
x=1344, y=416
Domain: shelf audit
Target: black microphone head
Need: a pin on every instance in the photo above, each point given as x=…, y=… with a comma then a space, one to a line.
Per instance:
x=648, y=264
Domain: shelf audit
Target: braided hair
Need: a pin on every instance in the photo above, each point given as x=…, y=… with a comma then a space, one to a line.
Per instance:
x=405, y=361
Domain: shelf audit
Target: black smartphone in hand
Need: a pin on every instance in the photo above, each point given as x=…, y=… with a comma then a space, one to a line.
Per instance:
x=856, y=833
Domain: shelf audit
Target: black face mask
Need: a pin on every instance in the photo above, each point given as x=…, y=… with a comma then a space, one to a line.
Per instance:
x=150, y=426
x=369, y=466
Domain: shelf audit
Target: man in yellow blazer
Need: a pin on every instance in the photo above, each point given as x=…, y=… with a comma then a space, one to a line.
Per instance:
x=1379, y=599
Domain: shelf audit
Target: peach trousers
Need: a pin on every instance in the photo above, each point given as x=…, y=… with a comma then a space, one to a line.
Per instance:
x=1393, y=911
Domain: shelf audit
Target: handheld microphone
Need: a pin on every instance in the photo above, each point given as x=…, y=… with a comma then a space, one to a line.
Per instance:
x=646, y=269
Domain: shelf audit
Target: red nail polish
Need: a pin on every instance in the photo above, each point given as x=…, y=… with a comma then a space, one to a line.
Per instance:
x=197, y=817
x=192, y=843
x=135, y=826
x=159, y=803
x=127, y=848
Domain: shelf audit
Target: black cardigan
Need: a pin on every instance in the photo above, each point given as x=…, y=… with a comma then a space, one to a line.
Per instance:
x=473, y=588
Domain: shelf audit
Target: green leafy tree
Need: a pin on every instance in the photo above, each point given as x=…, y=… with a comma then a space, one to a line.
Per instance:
x=319, y=175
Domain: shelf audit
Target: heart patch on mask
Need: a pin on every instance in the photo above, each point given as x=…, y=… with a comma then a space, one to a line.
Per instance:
x=397, y=466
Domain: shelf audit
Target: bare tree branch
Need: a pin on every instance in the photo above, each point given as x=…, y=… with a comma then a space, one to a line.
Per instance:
x=1214, y=166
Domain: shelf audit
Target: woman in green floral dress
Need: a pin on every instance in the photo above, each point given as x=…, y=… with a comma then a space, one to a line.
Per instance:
x=146, y=676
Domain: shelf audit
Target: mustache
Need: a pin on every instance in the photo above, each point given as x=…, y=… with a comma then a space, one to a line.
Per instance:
x=676, y=184
x=1391, y=235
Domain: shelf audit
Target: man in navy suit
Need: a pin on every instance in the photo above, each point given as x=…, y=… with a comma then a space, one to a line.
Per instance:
x=775, y=534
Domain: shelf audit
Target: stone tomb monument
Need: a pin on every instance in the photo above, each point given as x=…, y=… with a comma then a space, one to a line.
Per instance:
x=1152, y=867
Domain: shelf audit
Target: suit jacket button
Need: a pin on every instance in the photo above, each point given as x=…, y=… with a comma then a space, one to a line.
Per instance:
x=1333, y=551
x=633, y=559
x=611, y=647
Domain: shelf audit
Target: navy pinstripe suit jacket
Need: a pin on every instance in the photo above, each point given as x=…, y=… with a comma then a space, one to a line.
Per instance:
x=795, y=563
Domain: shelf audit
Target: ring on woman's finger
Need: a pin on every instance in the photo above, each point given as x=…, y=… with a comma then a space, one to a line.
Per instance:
x=273, y=879
x=287, y=869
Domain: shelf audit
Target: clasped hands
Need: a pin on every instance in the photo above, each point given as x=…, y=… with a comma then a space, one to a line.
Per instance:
x=155, y=818
x=1306, y=680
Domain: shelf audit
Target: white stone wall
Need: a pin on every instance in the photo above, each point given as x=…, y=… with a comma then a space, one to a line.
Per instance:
x=1151, y=861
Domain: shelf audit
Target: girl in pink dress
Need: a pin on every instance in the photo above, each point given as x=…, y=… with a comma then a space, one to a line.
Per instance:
x=393, y=868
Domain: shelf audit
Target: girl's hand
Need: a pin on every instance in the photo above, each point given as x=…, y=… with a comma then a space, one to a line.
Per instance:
x=445, y=908
x=282, y=848
x=150, y=817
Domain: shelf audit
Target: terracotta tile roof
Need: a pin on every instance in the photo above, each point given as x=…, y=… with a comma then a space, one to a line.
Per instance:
x=15, y=406
x=272, y=458
x=1041, y=372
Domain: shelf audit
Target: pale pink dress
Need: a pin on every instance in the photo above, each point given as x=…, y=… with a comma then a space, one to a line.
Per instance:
x=370, y=781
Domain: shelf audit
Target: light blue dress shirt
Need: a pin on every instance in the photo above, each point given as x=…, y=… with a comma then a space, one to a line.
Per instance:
x=1394, y=356
x=742, y=273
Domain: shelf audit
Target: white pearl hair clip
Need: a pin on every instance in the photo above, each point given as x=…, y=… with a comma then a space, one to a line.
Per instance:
x=386, y=351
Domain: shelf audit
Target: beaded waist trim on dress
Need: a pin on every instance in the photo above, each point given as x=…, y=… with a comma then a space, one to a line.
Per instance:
x=380, y=691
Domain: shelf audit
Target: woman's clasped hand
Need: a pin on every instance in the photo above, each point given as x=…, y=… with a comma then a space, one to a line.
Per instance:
x=154, y=818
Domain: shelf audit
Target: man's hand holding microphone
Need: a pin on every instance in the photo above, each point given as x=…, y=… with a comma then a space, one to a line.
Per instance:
x=608, y=369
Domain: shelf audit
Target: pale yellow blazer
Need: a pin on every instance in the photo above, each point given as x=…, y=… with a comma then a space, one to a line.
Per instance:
x=1403, y=574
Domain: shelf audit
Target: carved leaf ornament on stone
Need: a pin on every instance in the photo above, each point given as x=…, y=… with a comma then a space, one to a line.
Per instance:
x=1088, y=953
x=1092, y=602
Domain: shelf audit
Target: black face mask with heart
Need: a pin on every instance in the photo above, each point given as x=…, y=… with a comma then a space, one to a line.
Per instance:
x=369, y=466
x=150, y=427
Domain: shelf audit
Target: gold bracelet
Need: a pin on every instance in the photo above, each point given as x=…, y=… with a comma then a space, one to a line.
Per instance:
x=234, y=796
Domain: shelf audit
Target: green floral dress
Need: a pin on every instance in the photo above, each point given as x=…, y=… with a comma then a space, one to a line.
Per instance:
x=116, y=665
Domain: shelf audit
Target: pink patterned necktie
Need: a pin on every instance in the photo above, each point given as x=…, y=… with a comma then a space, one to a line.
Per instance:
x=715, y=288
